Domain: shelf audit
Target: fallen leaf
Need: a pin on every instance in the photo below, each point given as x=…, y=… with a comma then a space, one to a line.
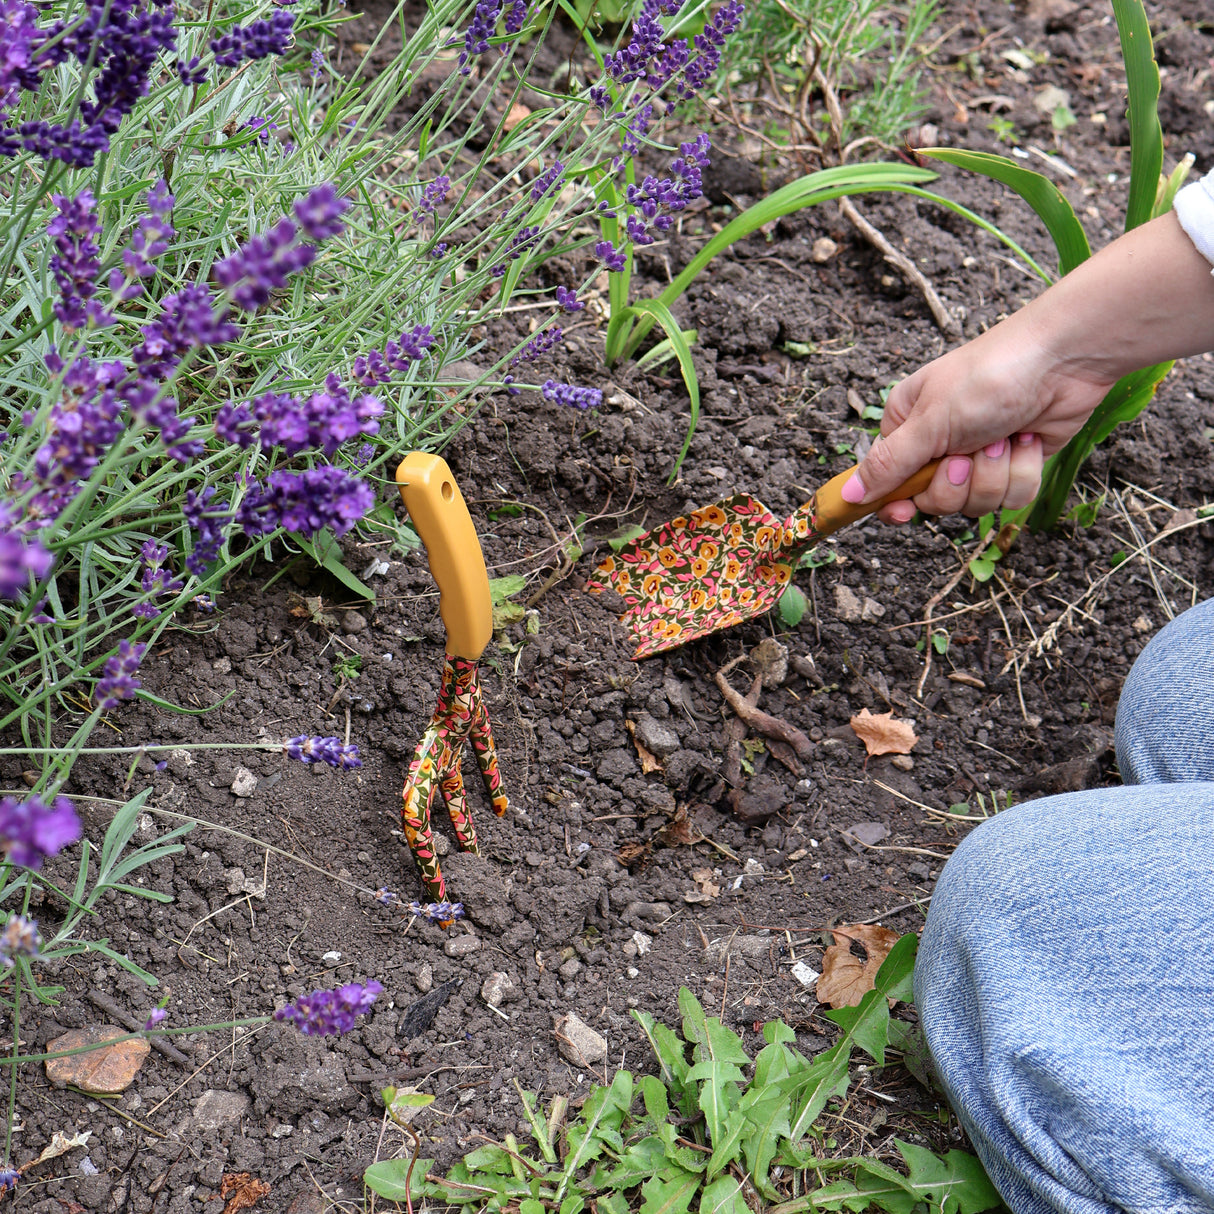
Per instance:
x=241, y=1191
x=517, y=113
x=633, y=853
x=883, y=733
x=59, y=1144
x=708, y=888
x=649, y=761
x=679, y=832
x=846, y=979
x=109, y=1068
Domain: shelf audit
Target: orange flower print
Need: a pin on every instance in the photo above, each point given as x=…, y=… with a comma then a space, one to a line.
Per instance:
x=678, y=524
x=802, y=527
x=734, y=534
x=623, y=580
x=726, y=596
x=699, y=567
x=668, y=557
x=709, y=516
x=764, y=573
x=732, y=570
x=782, y=574
x=696, y=599
x=764, y=538
x=651, y=585
x=710, y=602
x=606, y=566
x=710, y=551
x=745, y=596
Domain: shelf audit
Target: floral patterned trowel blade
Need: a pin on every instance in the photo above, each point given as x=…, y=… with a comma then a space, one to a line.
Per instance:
x=441, y=517
x=724, y=563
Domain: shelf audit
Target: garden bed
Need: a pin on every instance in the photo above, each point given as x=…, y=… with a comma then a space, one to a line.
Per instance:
x=608, y=887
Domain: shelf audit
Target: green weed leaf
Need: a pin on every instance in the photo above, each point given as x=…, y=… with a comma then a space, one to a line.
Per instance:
x=669, y=1195
x=792, y=605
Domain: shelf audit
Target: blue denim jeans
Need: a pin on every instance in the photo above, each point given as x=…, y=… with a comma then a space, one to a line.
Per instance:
x=1065, y=979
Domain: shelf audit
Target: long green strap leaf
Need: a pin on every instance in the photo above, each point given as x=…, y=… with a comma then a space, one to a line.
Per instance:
x=1038, y=191
x=1146, y=135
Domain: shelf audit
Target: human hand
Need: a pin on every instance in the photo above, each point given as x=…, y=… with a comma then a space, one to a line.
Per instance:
x=991, y=411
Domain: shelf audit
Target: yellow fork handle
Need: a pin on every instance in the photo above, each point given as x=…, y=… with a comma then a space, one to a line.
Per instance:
x=440, y=514
x=831, y=512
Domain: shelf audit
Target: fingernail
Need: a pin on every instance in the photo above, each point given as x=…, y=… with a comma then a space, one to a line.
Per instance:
x=958, y=470
x=853, y=491
x=903, y=512
x=995, y=450
x=1025, y=439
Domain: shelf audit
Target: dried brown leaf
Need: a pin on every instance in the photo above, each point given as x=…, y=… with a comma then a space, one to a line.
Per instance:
x=110, y=1068
x=846, y=978
x=241, y=1191
x=883, y=733
x=649, y=761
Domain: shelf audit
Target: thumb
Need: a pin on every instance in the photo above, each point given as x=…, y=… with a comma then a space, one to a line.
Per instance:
x=891, y=461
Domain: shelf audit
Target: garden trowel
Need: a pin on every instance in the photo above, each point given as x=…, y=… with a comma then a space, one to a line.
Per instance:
x=724, y=563
x=441, y=518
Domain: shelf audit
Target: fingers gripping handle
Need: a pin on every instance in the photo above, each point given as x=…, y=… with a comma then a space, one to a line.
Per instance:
x=441, y=517
x=831, y=512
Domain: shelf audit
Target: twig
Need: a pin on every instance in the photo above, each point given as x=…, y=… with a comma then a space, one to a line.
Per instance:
x=932, y=603
x=948, y=323
x=134, y=1024
x=765, y=723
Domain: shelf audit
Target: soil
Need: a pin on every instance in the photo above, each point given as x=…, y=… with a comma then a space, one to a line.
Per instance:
x=592, y=895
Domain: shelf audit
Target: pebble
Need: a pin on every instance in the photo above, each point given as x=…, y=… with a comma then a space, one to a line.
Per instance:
x=462, y=946
x=424, y=979
x=657, y=738
x=823, y=250
x=903, y=762
x=848, y=605
x=570, y=969
x=578, y=1042
x=244, y=783
x=633, y=972
x=222, y=665
x=641, y=942
x=498, y=987
x=352, y=622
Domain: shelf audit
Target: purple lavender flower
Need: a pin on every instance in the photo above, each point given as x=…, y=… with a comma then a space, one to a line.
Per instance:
x=19, y=39
x=152, y=234
x=385, y=896
x=435, y=193
x=524, y=239
x=516, y=18
x=323, y=1013
x=709, y=43
x=20, y=938
x=262, y=126
x=76, y=262
x=571, y=395
x=158, y=1014
x=305, y=502
x=439, y=250
x=190, y=73
x=188, y=319
x=322, y=750
x=258, y=40
x=209, y=525
x=263, y=264
x=8, y=1179
x=362, y=457
x=476, y=40
x=606, y=252
x=234, y=424
x=637, y=129
x=319, y=212
x=546, y=180
x=324, y=421
x=438, y=912
x=32, y=829
x=568, y=299
x=155, y=580
x=318, y=62
x=119, y=682
x=539, y=345
x=20, y=556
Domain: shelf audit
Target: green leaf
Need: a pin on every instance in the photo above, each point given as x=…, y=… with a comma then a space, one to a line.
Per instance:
x=812, y=1087
x=766, y=1110
x=792, y=605
x=637, y=1164
x=387, y=1178
x=1038, y=191
x=1142, y=84
x=624, y=537
x=539, y=1125
x=669, y=1196
x=954, y=1184
x=723, y=1196
x=664, y=351
x=669, y=1051
x=324, y=549
x=503, y=588
x=605, y=1108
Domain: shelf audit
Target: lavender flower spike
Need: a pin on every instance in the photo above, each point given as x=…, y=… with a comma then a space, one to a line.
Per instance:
x=32, y=829
x=571, y=395
x=606, y=252
x=328, y=1012
x=119, y=682
x=322, y=750
x=8, y=1179
x=20, y=938
x=443, y=913
x=568, y=299
x=158, y=1014
x=319, y=212
x=20, y=555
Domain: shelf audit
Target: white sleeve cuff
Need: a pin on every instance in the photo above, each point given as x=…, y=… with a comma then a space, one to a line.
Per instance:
x=1194, y=207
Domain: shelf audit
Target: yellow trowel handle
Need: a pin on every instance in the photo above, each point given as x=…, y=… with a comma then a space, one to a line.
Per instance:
x=831, y=512
x=440, y=514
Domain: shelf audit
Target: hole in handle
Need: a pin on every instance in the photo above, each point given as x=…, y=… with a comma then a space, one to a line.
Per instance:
x=448, y=491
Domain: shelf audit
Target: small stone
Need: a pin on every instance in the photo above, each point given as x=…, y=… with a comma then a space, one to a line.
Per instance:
x=657, y=738
x=633, y=972
x=244, y=783
x=578, y=1042
x=629, y=949
x=234, y=880
x=424, y=979
x=215, y=1109
x=868, y=834
x=903, y=762
x=642, y=942
x=497, y=988
x=823, y=250
x=872, y=610
x=752, y=867
x=533, y=859
x=179, y=761
x=804, y=974
x=222, y=665
x=352, y=622
x=1142, y=624
x=570, y=969
x=101, y=1071
x=462, y=946
x=848, y=606
x=770, y=659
